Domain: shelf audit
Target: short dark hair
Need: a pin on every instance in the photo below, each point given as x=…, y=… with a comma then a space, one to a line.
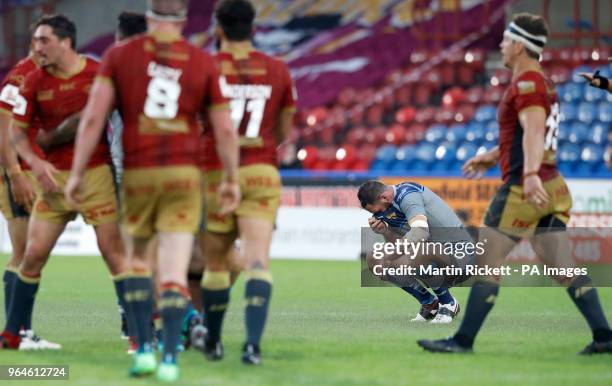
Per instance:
x=369, y=192
x=236, y=18
x=131, y=23
x=62, y=27
x=534, y=24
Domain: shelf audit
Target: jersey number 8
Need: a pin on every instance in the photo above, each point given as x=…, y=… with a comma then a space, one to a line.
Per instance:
x=162, y=99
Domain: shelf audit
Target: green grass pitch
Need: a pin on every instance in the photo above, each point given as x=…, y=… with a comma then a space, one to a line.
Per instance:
x=324, y=329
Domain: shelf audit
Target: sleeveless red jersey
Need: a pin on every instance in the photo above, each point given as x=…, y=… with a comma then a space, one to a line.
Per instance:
x=529, y=90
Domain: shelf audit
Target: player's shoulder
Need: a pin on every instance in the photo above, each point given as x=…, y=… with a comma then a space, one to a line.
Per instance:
x=531, y=82
x=17, y=74
x=405, y=188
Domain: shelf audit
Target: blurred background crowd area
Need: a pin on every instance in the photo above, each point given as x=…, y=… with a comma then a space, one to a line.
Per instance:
x=391, y=87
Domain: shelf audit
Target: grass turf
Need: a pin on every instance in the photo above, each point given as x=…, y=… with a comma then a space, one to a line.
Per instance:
x=324, y=329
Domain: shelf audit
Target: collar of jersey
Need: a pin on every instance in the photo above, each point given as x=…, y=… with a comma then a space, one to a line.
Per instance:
x=165, y=37
x=65, y=75
x=238, y=52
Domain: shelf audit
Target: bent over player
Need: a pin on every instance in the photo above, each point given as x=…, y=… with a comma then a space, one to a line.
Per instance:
x=410, y=211
x=534, y=200
x=160, y=84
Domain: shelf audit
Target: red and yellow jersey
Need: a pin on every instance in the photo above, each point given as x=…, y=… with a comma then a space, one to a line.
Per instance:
x=163, y=84
x=530, y=90
x=50, y=98
x=259, y=88
x=9, y=97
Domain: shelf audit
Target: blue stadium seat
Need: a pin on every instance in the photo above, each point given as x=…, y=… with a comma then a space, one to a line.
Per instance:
x=436, y=133
x=386, y=154
x=456, y=134
x=466, y=151
x=578, y=133
x=446, y=151
x=492, y=131
x=568, y=112
x=592, y=154
x=592, y=94
x=576, y=78
x=598, y=133
x=605, y=112
x=569, y=153
x=485, y=113
x=571, y=92
x=587, y=112
x=405, y=153
x=425, y=152
x=475, y=132
x=378, y=165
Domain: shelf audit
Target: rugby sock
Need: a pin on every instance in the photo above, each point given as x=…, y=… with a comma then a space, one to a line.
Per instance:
x=444, y=295
x=119, y=283
x=172, y=306
x=215, y=298
x=480, y=302
x=420, y=293
x=257, y=294
x=139, y=295
x=24, y=293
x=8, y=279
x=585, y=297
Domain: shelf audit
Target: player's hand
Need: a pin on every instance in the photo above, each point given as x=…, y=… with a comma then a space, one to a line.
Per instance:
x=590, y=77
x=23, y=191
x=534, y=192
x=378, y=226
x=73, y=191
x=476, y=166
x=228, y=197
x=44, y=171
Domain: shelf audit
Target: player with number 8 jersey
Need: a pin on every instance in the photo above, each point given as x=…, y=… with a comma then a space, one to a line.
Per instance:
x=161, y=85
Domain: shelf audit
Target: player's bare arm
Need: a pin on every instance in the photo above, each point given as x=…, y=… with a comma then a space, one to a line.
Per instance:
x=534, y=122
x=21, y=187
x=285, y=123
x=64, y=133
x=42, y=170
x=475, y=167
x=88, y=136
x=227, y=148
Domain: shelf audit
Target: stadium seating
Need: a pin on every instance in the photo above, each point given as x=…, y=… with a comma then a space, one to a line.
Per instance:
x=449, y=115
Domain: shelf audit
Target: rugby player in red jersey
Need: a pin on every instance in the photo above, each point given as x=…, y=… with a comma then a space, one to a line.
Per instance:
x=48, y=96
x=160, y=85
x=534, y=201
x=17, y=194
x=262, y=102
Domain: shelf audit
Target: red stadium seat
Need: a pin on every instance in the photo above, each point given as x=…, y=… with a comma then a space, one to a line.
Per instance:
x=374, y=115
x=414, y=133
x=444, y=115
x=452, y=97
x=464, y=113
x=493, y=95
x=355, y=117
x=422, y=94
x=326, y=136
x=356, y=136
x=395, y=135
x=403, y=95
x=405, y=115
x=376, y=136
x=366, y=153
x=474, y=95
x=309, y=156
x=425, y=115
x=316, y=116
x=309, y=135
